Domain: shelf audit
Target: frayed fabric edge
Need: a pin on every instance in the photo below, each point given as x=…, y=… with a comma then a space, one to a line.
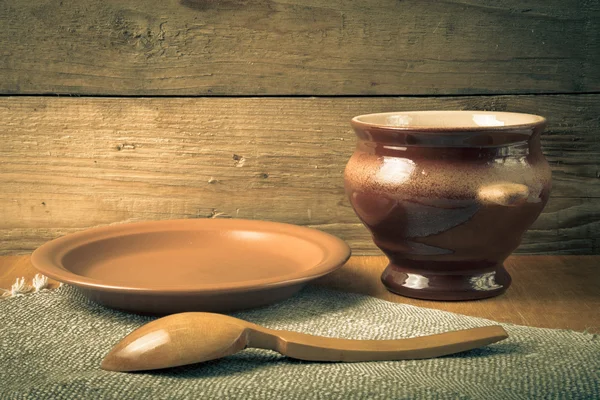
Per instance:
x=21, y=288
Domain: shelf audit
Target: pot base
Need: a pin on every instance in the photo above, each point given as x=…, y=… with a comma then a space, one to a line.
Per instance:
x=446, y=285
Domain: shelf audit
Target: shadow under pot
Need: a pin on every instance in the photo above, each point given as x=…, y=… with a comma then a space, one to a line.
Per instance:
x=447, y=196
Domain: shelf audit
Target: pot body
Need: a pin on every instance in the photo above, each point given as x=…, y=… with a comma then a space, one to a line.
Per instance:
x=447, y=207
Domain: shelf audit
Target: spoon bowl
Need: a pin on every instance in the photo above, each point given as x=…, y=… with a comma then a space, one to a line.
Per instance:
x=178, y=339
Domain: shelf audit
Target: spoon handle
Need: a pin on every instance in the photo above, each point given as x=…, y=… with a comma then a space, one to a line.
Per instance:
x=317, y=348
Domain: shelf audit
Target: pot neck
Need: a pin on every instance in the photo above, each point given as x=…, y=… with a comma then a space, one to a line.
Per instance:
x=455, y=138
x=474, y=154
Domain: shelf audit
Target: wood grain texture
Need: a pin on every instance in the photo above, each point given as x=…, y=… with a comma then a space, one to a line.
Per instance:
x=546, y=292
x=68, y=164
x=305, y=47
x=558, y=292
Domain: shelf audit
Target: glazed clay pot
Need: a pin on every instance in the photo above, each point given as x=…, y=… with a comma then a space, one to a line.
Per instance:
x=447, y=196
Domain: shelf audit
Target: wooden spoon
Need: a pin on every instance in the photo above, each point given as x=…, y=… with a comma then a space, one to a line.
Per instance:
x=194, y=337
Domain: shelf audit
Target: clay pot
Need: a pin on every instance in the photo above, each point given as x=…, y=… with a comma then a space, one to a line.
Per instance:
x=447, y=196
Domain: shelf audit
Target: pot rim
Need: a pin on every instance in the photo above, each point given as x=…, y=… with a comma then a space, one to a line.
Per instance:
x=535, y=121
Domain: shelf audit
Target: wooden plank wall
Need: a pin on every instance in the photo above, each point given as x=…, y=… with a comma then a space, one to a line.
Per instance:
x=235, y=108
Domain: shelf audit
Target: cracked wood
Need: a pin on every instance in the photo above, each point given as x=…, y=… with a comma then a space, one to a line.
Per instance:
x=300, y=47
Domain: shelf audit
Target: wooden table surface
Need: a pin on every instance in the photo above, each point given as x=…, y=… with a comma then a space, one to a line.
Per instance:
x=547, y=291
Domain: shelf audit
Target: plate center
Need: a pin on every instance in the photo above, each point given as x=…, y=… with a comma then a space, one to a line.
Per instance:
x=179, y=260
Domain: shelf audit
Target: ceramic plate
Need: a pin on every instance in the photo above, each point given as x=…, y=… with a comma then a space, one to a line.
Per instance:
x=164, y=267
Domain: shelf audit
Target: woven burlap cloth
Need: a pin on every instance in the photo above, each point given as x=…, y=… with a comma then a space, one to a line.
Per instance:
x=52, y=343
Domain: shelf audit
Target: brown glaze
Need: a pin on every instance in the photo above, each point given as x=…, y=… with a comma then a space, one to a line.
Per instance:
x=447, y=196
x=163, y=267
x=189, y=338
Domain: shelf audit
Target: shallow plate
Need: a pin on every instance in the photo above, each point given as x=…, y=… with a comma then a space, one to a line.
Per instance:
x=163, y=267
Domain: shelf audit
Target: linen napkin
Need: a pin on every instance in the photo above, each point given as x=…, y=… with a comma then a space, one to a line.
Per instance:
x=52, y=343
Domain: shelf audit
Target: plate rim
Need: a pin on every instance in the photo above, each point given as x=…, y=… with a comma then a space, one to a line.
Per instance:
x=44, y=259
